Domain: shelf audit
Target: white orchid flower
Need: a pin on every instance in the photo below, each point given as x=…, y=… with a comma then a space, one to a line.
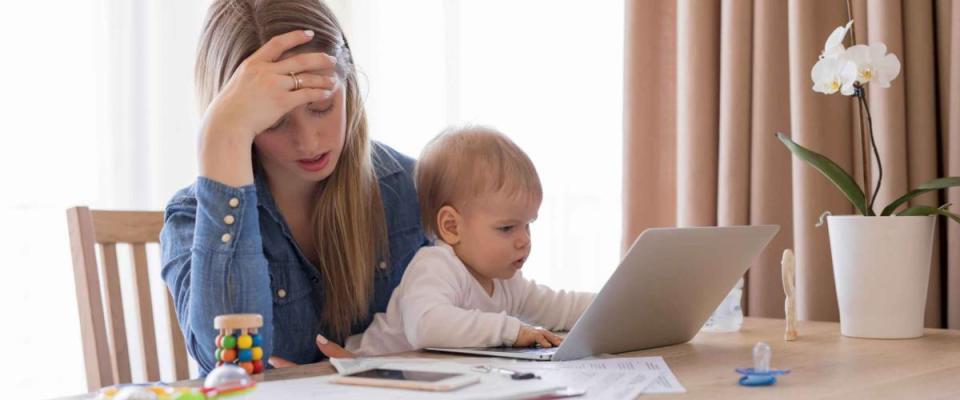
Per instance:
x=833, y=48
x=834, y=74
x=873, y=63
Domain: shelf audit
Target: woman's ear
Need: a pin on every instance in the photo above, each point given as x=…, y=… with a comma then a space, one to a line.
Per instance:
x=449, y=222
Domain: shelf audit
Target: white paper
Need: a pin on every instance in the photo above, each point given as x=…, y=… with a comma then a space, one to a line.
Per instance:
x=491, y=385
x=612, y=385
x=664, y=381
x=602, y=378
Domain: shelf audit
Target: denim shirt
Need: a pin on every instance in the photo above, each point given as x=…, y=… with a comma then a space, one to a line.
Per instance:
x=249, y=262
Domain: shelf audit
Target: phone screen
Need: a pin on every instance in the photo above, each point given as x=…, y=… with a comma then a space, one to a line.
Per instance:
x=396, y=374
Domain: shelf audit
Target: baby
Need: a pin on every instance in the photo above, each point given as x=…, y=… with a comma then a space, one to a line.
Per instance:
x=478, y=194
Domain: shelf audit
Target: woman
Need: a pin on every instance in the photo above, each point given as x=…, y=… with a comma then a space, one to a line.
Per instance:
x=296, y=214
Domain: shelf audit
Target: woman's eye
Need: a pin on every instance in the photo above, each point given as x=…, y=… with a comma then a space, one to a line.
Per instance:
x=321, y=112
x=505, y=229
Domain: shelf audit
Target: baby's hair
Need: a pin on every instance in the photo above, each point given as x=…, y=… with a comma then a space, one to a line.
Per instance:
x=462, y=163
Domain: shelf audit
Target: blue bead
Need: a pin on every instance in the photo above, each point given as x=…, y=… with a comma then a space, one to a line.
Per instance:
x=256, y=340
x=245, y=355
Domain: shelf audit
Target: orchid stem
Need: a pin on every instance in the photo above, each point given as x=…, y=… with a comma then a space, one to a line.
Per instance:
x=864, y=155
x=873, y=143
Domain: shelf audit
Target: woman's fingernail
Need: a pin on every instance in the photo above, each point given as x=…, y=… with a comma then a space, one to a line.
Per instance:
x=308, y=32
x=321, y=339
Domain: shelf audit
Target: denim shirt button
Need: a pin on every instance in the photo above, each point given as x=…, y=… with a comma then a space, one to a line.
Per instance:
x=234, y=202
x=226, y=238
x=229, y=219
x=281, y=293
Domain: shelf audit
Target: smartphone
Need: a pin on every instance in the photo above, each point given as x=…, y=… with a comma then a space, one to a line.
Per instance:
x=407, y=379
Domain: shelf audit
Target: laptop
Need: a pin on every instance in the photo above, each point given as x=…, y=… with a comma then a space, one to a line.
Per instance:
x=667, y=285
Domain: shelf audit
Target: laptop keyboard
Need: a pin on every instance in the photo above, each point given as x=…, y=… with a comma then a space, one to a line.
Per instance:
x=525, y=350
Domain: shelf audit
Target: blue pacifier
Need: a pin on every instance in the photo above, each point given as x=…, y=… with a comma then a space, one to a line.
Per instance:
x=760, y=374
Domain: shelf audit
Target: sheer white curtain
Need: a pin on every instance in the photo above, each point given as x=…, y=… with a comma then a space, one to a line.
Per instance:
x=547, y=73
x=98, y=110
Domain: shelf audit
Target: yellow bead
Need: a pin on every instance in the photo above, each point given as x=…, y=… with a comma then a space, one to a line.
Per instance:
x=257, y=353
x=244, y=341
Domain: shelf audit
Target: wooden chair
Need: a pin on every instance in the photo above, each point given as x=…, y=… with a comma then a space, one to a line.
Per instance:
x=107, y=362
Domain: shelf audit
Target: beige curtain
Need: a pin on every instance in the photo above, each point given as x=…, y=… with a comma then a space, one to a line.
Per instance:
x=709, y=82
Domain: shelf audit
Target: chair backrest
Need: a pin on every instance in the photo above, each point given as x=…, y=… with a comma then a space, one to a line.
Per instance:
x=107, y=358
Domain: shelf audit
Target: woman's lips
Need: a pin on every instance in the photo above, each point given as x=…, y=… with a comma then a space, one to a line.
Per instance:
x=315, y=164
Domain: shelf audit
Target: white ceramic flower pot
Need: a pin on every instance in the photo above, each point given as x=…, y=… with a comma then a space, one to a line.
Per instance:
x=881, y=266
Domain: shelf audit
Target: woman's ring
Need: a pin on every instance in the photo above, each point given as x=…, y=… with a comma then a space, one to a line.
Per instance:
x=296, y=81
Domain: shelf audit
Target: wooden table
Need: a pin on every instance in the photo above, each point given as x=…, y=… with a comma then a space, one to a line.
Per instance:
x=824, y=364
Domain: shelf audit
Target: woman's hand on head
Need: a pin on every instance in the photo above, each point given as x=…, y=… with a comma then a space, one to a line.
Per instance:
x=328, y=348
x=263, y=88
x=259, y=93
x=534, y=335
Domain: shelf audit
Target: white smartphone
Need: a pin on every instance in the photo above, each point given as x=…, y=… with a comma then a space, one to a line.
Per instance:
x=408, y=379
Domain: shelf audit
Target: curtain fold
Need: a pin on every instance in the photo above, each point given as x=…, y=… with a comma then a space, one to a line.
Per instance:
x=770, y=199
x=708, y=83
x=650, y=92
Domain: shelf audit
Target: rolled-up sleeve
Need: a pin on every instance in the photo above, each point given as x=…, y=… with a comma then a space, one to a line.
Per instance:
x=213, y=263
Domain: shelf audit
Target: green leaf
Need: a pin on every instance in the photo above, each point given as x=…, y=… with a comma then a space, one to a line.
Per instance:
x=840, y=178
x=927, y=210
x=936, y=184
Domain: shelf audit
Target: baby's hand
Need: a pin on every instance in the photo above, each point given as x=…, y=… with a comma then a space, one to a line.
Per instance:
x=530, y=336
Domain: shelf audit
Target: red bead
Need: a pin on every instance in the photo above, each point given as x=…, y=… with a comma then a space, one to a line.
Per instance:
x=257, y=366
x=219, y=341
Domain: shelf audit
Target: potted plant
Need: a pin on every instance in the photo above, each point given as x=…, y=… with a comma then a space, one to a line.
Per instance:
x=881, y=262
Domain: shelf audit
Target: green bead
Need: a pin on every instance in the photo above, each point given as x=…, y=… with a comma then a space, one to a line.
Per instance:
x=229, y=342
x=218, y=354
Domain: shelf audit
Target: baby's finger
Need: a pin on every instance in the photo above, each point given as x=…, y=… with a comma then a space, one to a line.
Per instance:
x=306, y=62
x=543, y=342
x=278, y=362
x=277, y=45
x=555, y=339
x=331, y=349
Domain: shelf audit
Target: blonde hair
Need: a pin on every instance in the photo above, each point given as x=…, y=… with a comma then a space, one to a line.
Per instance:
x=350, y=235
x=465, y=162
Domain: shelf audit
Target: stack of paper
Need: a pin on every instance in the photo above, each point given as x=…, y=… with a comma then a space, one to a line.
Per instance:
x=604, y=378
x=615, y=378
x=491, y=386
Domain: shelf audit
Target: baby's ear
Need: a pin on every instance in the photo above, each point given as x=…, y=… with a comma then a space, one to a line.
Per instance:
x=448, y=225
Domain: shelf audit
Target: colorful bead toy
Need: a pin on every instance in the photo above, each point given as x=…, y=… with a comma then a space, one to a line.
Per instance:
x=239, y=342
x=225, y=381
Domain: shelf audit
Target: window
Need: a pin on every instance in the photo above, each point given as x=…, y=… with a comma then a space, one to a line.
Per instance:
x=546, y=73
x=100, y=111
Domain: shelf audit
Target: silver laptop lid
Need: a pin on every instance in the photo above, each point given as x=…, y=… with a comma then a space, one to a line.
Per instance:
x=665, y=288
